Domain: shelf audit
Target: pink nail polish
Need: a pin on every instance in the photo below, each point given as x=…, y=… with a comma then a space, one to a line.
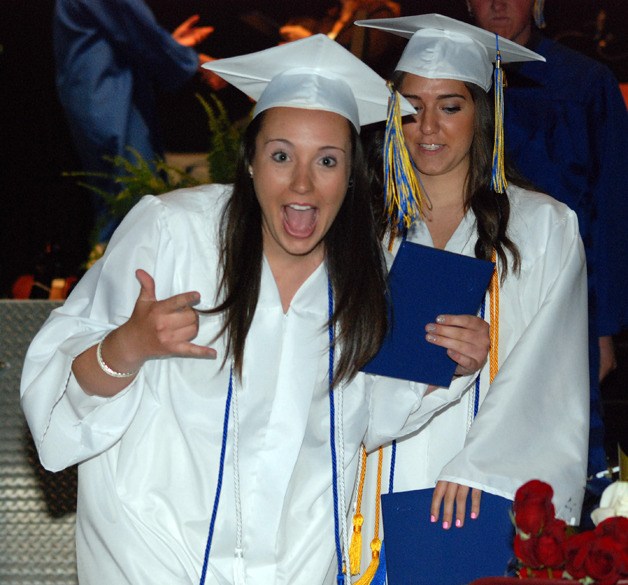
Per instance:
x=432, y=518
x=458, y=523
x=473, y=515
x=445, y=525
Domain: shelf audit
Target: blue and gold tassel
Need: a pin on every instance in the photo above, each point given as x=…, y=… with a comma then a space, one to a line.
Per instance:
x=402, y=192
x=498, y=180
x=539, y=18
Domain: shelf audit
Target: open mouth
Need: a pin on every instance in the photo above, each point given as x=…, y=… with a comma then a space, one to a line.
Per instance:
x=300, y=220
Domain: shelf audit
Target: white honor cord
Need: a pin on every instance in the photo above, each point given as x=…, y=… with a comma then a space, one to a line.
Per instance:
x=470, y=408
x=239, y=577
x=340, y=460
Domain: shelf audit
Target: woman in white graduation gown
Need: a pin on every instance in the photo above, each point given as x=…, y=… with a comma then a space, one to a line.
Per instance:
x=234, y=463
x=532, y=418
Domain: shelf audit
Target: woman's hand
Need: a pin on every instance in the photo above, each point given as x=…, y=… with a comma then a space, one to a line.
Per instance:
x=451, y=495
x=155, y=329
x=190, y=35
x=161, y=328
x=466, y=338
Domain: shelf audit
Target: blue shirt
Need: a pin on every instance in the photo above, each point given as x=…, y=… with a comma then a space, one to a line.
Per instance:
x=566, y=130
x=109, y=56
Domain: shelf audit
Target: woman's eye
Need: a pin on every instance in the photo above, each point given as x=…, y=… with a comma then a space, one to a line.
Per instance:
x=451, y=109
x=418, y=106
x=279, y=156
x=328, y=161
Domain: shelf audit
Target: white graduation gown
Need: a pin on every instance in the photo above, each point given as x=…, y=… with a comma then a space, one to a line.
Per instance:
x=149, y=456
x=533, y=422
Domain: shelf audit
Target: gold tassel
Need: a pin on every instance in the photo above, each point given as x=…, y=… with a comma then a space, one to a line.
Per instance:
x=355, y=548
x=367, y=577
x=498, y=182
x=376, y=543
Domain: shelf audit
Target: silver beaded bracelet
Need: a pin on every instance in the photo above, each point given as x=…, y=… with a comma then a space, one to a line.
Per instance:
x=105, y=368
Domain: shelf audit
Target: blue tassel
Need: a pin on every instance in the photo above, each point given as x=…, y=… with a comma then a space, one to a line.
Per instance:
x=498, y=180
x=403, y=197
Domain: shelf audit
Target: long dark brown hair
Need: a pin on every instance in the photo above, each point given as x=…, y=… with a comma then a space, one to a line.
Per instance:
x=491, y=209
x=353, y=255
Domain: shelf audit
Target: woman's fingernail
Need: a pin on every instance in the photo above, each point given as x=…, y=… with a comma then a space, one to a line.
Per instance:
x=445, y=525
x=431, y=327
x=458, y=523
x=440, y=319
x=473, y=515
x=430, y=337
x=432, y=518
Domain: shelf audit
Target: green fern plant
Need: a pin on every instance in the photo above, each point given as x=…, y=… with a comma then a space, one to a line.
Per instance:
x=224, y=140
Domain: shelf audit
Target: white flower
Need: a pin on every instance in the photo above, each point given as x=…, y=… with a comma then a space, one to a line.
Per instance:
x=614, y=502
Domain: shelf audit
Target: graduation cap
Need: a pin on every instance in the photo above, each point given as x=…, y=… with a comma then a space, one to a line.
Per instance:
x=313, y=73
x=444, y=48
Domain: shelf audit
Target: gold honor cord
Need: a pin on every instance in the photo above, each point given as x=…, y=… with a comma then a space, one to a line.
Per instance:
x=376, y=543
x=355, y=550
x=494, y=325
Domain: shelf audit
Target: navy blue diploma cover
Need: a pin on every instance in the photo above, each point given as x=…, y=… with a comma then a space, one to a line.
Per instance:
x=423, y=283
x=419, y=552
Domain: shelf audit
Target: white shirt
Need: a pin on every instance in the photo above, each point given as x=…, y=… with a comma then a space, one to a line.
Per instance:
x=149, y=456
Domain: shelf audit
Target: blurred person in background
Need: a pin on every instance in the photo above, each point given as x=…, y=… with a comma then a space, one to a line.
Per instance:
x=110, y=56
x=566, y=130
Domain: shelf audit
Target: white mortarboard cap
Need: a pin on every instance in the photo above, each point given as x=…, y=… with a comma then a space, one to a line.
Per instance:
x=444, y=48
x=315, y=73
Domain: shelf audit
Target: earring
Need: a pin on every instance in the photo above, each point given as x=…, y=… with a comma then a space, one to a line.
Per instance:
x=351, y=183
x=251, y=172
x=469, y=9
x=537, y=11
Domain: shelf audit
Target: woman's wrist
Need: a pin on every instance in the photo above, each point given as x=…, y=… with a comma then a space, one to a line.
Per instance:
x=106, y=368
x=115, y=354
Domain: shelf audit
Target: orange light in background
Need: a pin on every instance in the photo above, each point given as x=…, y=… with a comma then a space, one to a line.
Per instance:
x=624, y=92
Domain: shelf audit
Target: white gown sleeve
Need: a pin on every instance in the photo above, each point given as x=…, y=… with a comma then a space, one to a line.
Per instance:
x=69, y=426
x=398, y=407
x=533, y=423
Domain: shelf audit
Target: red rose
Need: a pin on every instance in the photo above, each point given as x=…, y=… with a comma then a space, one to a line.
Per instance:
x=601, y=558
x=545, y=550
x=551, y=544
x=605, y=562
x=617, y=528
x=576, y=551
x=525, y=548
x=533, y=507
